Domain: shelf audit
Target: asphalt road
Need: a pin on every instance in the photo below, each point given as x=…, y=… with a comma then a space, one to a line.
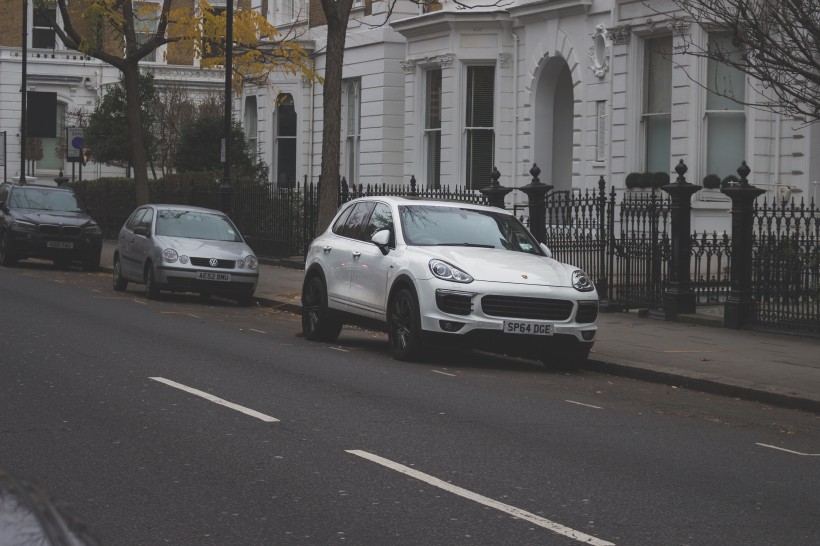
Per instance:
x=188, y=422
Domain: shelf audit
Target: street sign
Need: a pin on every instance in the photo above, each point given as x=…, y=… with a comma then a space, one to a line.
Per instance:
x=75, y=141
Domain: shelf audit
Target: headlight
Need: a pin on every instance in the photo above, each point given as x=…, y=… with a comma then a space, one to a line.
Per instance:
x=18, y=225
x=251, y=262
x=183, y=259
x=447, y=272
x=169, y=255
x=581, y=282
x=240, y=264
x=92, y=229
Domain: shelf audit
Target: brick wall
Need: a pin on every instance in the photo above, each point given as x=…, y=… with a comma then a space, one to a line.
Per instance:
x=11, y=23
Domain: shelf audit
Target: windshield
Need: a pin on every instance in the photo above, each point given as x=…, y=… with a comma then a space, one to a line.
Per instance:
x=196, y=225
x=42, y=199
x=425, y=225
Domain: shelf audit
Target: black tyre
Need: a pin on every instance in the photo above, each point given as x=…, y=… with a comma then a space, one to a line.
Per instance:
x=404, y=326
x=151, y=290
x=7, y=257
x=317, y=322
x=118, y=281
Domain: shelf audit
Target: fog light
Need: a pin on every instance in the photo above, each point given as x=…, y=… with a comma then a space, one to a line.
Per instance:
x=588, y=335
x=450, y=326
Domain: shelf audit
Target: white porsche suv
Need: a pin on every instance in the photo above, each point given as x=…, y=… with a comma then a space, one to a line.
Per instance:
x=431, y=271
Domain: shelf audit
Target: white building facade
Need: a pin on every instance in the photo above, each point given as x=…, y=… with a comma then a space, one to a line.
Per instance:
x=582, y=88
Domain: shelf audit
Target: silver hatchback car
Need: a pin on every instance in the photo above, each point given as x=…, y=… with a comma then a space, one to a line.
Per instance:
x=184, y=249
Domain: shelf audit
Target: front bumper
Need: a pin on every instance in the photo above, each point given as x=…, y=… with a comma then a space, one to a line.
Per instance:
x=178, y=279
x=57, y=247
x=477, y=311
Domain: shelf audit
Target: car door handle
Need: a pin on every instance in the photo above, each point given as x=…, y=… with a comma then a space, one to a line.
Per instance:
x=357, y=254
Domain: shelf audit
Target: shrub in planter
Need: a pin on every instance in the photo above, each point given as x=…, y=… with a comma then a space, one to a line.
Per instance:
x=711, y=181
x=646, y=180
x=632, y=180
x=730, y=180
x=659, y=179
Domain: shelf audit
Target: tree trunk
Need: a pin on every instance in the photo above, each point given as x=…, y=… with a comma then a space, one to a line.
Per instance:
x=332, y=105
x=138, y=162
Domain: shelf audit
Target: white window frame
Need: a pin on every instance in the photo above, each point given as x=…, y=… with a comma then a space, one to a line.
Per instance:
x=714, y=114
x=468, y=129
x=278, y=138
x=33, y=13
x=431, y=170
x=150, y=24
x=601, y=118
x=351, y=128
x=251, y=123
x=54, y=145
x=647, y=117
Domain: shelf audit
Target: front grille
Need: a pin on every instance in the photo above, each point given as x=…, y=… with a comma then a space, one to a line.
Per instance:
x=454, y=303
x=526, y=308
x=206, y=262
x=53, y=229
x=587, y=312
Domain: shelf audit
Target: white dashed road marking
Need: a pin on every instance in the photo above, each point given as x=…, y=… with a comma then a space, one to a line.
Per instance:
x=512, y=510
x=445, y=373
x=582, y=404
x=789, y=450
x=216, y=400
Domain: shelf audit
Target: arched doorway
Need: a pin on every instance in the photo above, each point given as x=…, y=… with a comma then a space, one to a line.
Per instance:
x=553, y=124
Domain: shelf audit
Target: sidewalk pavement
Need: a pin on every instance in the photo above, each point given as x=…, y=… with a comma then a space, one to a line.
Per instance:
x=695, y=353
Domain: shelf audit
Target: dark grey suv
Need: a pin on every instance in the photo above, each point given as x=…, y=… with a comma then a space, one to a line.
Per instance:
x=49, y=223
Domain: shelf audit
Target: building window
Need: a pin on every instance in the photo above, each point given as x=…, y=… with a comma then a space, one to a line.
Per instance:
x=250, y=124
x=725, y=115
x=657, y=104
x=353, y=119
x=432, y=128
x=146, y=20
x=600, y=130
x=42, y=35
x=287, y=11
x=285, y=142
x=478, y=125
x=54, y=148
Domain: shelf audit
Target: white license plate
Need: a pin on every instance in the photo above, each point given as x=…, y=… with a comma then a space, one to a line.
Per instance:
x=59, y=244
x=211, y=276
x=528, y=328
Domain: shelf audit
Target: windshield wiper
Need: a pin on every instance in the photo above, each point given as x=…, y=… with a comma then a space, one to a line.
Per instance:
x=475, y=245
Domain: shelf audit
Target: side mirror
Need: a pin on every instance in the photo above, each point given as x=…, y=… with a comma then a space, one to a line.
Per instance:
x=142, y=231
x=546, y=250
x=381, y=239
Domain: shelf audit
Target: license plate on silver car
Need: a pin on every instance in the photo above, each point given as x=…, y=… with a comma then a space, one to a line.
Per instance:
x=59, y=244
x=528, y=328
x=211, y=276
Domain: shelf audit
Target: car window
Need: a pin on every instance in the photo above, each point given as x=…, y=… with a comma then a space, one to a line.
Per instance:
x=380, y=219
x=425, y=225
x=146, y=219
x=196, y=225
x=135, y=218
x=44, y=199
x=354, y=226
x=338, y=226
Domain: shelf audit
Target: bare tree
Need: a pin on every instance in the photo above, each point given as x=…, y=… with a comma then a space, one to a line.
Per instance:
x=776, y=42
